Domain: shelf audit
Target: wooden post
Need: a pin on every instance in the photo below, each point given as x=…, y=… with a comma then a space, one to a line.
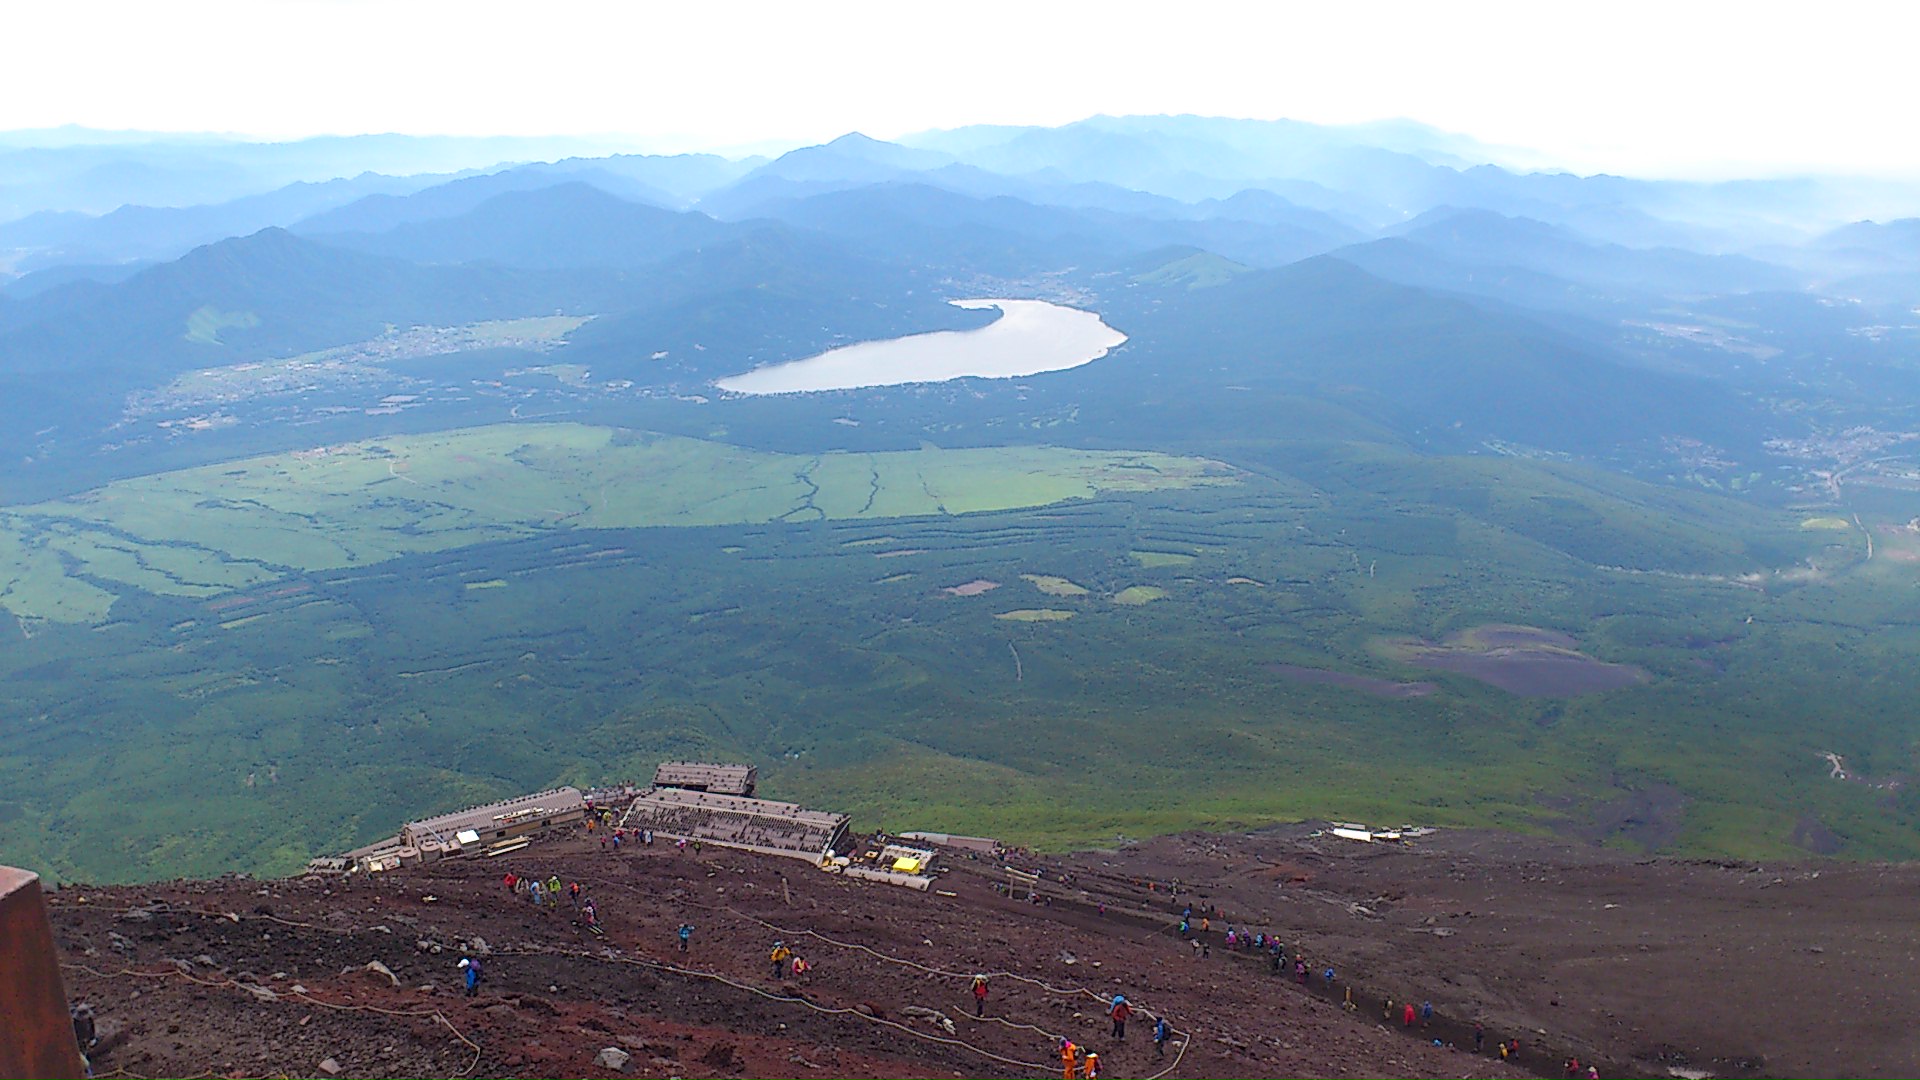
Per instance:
x=36, y=1039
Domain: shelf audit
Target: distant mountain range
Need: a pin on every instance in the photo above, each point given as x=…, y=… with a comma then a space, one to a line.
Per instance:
x=569, y=224
x=1368, y=177
x=97, y=171
x=1388, y=272
x=1443, y=373
x=269, y=294
x=62, y=238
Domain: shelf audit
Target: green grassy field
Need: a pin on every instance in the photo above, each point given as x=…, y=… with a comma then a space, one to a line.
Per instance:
x=205, y=324
x=200, y=532
x=320, y=647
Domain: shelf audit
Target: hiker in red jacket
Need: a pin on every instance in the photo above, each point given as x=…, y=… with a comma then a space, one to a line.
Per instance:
x=1406, y=1015
x=1119, y=1011
x=979, y=995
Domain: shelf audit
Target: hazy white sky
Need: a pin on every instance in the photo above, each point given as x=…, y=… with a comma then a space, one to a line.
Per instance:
x=1678, y=87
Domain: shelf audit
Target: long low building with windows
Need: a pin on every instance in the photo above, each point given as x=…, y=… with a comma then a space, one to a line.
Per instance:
x=474, y=831
x=762, y=825
x=500, y=820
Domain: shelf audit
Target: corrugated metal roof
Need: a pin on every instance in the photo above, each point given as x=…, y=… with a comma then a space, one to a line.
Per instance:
x=671, y=798
x=498, y=814
x=714, y=776
x=759, y=824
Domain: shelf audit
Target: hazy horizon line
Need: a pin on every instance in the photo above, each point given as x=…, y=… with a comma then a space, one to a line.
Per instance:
x=1518, y=159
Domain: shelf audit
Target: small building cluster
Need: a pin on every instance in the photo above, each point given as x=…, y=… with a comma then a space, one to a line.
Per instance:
x=887, y=860
x=1350, y=830
x=692, y=801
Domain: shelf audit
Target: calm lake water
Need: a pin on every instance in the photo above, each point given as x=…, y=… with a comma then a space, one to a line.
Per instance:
x=1031, y=336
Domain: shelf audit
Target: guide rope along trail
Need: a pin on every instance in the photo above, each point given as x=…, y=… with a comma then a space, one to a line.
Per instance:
x=1186, y=1037
x=966, y=975
x=824, y=1009
x=235, y=917
x=1070, y=990
x=224, y=983
x=648, y=963
x=202, y=1075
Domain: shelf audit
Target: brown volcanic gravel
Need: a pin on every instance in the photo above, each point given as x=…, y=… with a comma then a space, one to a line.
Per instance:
x=1640, y=965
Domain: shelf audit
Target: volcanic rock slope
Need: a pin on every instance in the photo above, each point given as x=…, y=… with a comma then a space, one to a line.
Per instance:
x=1640, y=966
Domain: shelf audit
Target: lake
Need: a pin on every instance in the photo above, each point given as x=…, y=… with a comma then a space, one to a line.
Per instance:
x=1031, y=336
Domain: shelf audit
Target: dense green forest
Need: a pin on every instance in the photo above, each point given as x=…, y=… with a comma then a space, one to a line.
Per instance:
x=317, y=710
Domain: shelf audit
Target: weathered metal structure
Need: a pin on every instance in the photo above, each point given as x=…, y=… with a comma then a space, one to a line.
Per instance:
x=707, y=776
x=500, y=820
x=762, y=825
x=472, y=831
x=36, y=1031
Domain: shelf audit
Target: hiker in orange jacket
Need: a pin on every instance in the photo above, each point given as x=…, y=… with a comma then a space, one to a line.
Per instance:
x=1066, y=1058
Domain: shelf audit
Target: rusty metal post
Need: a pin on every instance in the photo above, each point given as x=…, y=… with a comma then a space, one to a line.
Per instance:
x=36, y=1032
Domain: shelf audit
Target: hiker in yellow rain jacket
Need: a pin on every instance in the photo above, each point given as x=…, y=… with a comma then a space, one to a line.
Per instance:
x=779, y=956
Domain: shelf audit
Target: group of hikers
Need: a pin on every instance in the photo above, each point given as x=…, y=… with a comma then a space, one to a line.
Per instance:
x=1236, y=940
x=612, y=836
x=1281, y=962
x=547, y=894
x=786, y=962
x=1082, y=1062
x=601, y=820
x=1076, y=1061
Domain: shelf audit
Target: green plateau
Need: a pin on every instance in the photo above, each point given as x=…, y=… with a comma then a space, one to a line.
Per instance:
x=473, y=613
